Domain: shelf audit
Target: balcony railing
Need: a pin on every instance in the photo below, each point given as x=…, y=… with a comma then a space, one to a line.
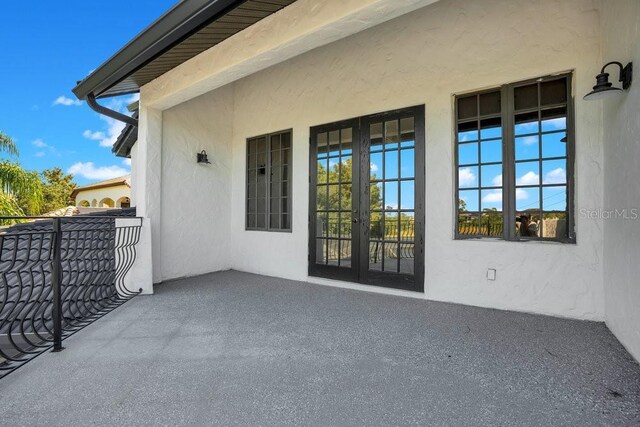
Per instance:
x=58, y=275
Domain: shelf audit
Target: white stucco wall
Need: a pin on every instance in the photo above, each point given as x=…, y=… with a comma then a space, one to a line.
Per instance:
x=420, y=58
x=147, y=189
x=621, y=35
x=195, y=198
x=134, y=173
x=423, y=58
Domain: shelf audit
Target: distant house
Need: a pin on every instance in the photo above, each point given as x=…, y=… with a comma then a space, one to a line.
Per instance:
x=112, y=193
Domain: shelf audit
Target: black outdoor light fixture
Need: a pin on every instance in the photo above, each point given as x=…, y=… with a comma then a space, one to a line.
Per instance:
x=604, y=88
x=202, y=157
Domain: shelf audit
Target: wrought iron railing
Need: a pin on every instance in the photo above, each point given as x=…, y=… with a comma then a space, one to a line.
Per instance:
x=334, y=247
x=57, y=275
x=482, y=229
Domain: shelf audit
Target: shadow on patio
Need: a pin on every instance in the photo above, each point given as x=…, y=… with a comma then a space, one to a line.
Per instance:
x=232, y=347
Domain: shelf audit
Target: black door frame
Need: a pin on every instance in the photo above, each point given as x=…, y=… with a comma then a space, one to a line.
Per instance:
x=330, y=271
x=359, y=271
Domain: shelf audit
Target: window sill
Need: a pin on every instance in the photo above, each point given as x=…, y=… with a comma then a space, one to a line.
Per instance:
x=289, y=231
x=500, y=239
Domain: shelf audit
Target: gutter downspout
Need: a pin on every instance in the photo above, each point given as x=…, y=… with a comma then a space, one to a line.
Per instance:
x=91, y=100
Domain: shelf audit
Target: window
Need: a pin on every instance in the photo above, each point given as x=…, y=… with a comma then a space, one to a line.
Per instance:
x=269, y=182
x=514, y=159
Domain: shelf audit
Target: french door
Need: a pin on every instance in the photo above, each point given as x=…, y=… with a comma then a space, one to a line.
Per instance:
x=366, y=200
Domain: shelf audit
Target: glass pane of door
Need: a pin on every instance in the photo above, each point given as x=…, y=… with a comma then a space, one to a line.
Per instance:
x=334, y=197
x=367, y=200
x=392, y=185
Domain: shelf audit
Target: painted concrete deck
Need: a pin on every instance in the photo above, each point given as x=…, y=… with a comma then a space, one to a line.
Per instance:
x=236, y=348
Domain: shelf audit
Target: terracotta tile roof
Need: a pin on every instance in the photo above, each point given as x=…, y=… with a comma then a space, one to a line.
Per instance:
x=68, y=211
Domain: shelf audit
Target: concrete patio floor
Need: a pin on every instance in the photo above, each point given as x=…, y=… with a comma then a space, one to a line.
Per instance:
x=237, y=348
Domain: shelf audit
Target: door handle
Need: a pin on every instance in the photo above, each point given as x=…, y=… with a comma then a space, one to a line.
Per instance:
x=355, y=220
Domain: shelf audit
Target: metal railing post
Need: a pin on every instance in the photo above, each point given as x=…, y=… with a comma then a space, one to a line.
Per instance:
x=56, y=283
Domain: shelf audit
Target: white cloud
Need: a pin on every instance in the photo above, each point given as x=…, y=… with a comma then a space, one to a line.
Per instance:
x=528, y=127
x=126, y=162
x=529, y=178
x=39, y=143
x=497, y=181
x=108, y=138
x=94, y=136
x=521, y=194
x=529, y=140
x=494, y=196
x=468, y=136
x=466, y=177
x=114, y=127
x=556, y=176
x=374, y=167
x=63, y=100
x=89, y=170
x=555, y=124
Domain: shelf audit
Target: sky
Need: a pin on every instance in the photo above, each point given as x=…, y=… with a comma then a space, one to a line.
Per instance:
x=45, y=47
x=480, y=166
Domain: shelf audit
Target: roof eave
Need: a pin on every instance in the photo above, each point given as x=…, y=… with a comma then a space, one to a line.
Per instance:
x=179, y=22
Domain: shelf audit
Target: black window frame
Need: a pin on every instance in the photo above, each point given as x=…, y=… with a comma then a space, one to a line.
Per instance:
x=507, y=114
x=268, y=174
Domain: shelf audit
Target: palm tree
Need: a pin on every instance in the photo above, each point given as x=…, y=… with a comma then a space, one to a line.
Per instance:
x=7, y=144
x=20, y=190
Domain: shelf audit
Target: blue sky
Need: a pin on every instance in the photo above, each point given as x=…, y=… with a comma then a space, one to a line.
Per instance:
x=529, y=171
x=46, y=46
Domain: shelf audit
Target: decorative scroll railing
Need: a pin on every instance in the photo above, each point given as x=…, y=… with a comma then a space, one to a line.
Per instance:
x=483, y=229
x=57, y=275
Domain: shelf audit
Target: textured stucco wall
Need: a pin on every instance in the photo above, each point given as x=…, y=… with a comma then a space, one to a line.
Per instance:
x=621, y=42
x=134, y=173
x=146, y=182
x=423, y=58
x=196, y=198
x=298, y=28
x=420, y=58
x=114, y=193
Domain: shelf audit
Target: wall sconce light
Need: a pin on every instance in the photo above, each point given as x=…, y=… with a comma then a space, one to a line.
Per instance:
x=604, y=88
x=202, y=157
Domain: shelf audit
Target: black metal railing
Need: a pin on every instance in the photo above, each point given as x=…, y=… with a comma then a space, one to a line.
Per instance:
x=482, y=229
x=57, y=275
x=335, y=246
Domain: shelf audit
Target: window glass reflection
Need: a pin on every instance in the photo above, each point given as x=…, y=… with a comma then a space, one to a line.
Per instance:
x=468, y=153
x=468, y=177
x=468, y=201
x=491, y=151
x=407, y=163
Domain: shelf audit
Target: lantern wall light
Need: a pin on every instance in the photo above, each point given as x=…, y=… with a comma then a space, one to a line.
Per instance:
x=202, y=158
x=604, y=88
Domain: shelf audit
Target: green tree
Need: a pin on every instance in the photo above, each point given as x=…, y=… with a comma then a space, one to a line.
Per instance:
x=20, y=190
x=340, y=197
x=492, y=222
x=7, y=145
x=57, y=189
